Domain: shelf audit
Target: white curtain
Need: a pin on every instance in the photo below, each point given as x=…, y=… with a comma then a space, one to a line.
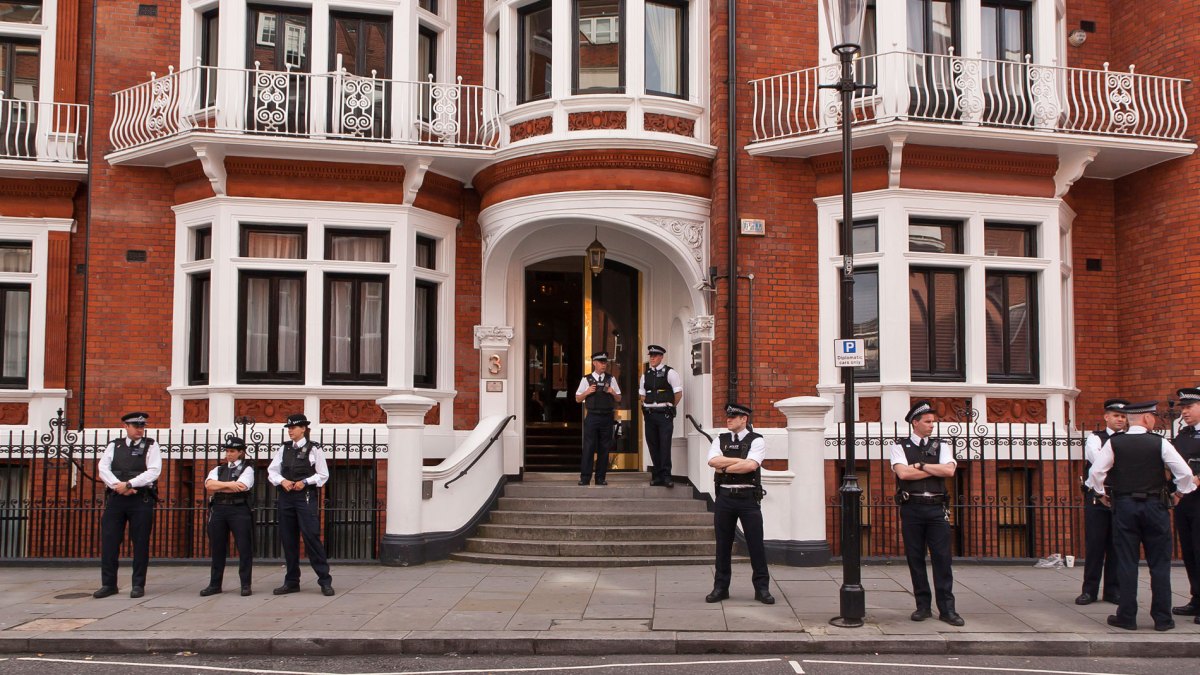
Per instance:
x=370, y=359
x=339, y=326
x=663, y=48
x=350, y=247
x=16, y=259
x=291, y=295
x=16, y=333
x=275, y=245
x=258, y=304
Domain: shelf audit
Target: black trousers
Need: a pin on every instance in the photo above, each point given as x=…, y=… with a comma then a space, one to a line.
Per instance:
x=597, y=441
x=1146, y=523
x=659, y=427
x=1099, y=549
x=729, y=509
x=138, y=511
x=1187, y=524
x=925, y=526
x=298, y=517
x=224, y=519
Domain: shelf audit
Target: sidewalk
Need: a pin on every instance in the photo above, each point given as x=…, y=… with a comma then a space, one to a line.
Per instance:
x=459, y=607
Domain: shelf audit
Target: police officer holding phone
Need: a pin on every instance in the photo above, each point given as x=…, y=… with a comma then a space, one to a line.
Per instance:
x=229, y=511
x=299, y=470
x=129, y=468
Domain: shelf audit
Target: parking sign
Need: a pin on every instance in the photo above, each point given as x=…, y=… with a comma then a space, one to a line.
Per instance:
x=849, y=354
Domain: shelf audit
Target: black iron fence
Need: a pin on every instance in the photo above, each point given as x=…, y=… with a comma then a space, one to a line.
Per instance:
x=51, y=498
x=1016, y=493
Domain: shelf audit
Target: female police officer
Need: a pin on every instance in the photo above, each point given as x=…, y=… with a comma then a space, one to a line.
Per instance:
x=229, y=511
x=299, y=470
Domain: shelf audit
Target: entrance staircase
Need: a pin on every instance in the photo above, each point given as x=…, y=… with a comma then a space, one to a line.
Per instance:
x=548, y=520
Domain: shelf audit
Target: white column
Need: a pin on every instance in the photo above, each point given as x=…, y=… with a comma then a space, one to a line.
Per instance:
x=807, y=542
x=406, y=427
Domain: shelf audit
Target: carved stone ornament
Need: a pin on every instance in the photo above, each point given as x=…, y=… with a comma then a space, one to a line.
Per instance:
x=670, y=124
x=690, y=232
x=493, y=337
x=530, y=128
x=195, y=411
x=351, y=411
x=598, y=119
x=702, y=328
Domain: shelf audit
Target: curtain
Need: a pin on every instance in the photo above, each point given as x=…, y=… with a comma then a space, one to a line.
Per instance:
x=370, y=359
x=16, y=333
x=275, y=245
x=16, y=259
x=663, y=56
x=363, y=249
x=291, y=295
x=339, y=326
x=258, y=303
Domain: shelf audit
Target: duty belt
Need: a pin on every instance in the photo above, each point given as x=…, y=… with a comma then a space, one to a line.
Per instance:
x=923, y=497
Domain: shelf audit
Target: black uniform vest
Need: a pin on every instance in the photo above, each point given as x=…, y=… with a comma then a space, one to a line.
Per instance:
x=225, y=475
x=930, y=454
x=600, y=402
x=1187, y=442
x=129, y=460
x=1104, y=437
x=1137, y=465
x=295, y=464
x=658, y=389
x=739, y=450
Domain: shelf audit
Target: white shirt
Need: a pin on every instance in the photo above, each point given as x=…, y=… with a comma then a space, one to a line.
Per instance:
x=673, y=379
x=153, y=465
x=246, y=478
x=1170, y=457
x=608, y=379
x=945, y=452
x=316, y=457
x=758, y=447
x=1092, y=446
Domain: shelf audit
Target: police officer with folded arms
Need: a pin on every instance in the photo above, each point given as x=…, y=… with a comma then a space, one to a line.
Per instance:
x=1097, y=518
x=299, y=470
x=1187, y=508
x=229, y=511
x=1128, y=474
x=735, y=457
x=129, y=467
x=922, y=464
x=599, y=394
x=661, y=387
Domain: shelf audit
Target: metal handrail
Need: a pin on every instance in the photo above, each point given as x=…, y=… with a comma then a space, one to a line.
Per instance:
x=697, y=425
x=483, y=452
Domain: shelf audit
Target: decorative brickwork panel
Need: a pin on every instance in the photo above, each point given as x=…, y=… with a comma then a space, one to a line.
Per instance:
x=597, y=119
x=775, y=464
x=1016, y=410
x=947, y=409
x=530, y=128
x=351, y=411
x=14, y=413
x=195, y=411
x=433, y=416
x=670, y=124
x=869, y=409
x=58, y=292
x=267, y=410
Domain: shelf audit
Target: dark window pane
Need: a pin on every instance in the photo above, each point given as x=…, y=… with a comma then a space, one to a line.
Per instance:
x=428, y=5
x=935, y=324
x=16, y=256
x=279, y=39
x=864, y=236
x=598, y=57
x=866, y=319
x=203, y=244
x=1011, y=332
x=426, y=253
x=20, y=66
x=918, y=323
x=14, y=342
x=426, y=55
x=535, y=44
x=931, y=26
x=666, y=52
x=29, y=11
x=934, y=236
x=1009, y=240
x=198, y=352
x=358, y=246
x=947, y=310
x=425, y=335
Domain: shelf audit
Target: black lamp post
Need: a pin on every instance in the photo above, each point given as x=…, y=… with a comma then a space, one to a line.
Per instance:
x=845, y=20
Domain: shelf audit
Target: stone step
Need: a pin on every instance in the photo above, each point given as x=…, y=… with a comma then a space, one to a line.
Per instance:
x=588, y=561
x=614, y=490
x=618, y=532
x=641, y=549
x=589, y=519
x=609, y=505
x=569, y=479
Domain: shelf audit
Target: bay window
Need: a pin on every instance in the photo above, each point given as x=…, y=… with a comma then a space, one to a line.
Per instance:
x=666, y=48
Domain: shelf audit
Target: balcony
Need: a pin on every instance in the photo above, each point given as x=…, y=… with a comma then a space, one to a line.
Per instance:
x=42, y=139
x=1120, y=122
x=315, y=116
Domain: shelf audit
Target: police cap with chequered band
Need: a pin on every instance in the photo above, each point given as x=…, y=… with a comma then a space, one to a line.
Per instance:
x=1116, y=405
x=919, y=408
x=137, y=419
x=655, y=350
x=737, y=410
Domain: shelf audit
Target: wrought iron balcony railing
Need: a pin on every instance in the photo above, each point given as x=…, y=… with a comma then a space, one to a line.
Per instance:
x=293, y=104
x=41, y=131
x=974, y=92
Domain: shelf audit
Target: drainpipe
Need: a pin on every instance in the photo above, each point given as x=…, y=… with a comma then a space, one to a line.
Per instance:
x=87, y=236
x=731, y=154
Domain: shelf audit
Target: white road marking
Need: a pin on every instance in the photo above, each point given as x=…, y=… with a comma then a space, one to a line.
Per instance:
x=941, y=667
x=796, y=667
x=223, y=669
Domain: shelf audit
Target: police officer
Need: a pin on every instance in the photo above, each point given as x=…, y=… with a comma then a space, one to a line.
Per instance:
x=660, y=387
x=1128, y=475
x=1097, y=518
x=129, y=467
x=599, y=394
x=735, y=457
x=1187, y=509
x=229, y=511
x=922, y=465
x=298, y=468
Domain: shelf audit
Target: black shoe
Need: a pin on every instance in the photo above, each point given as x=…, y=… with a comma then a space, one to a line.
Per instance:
x=1117, y=623
x=210, y=590
x=952, y=618
x=1196, y=619
x=104, y=592
x=1112, y=598
x=285, y=589
x=583, y=482
x=1085, y=599
x=327, y=590
x=717, y=595
x=656, y=483
x=601, y=482
x=764, y=597
x=1166, y=625
x=246, y=591
x=920, y=614
x=669, y=484
x=1190, y=609
x=137, y=592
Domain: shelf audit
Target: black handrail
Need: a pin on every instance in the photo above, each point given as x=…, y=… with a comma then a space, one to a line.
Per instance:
x=482, y=452
x=697, y=425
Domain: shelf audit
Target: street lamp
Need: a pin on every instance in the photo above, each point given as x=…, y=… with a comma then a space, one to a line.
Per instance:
x=845, y=22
